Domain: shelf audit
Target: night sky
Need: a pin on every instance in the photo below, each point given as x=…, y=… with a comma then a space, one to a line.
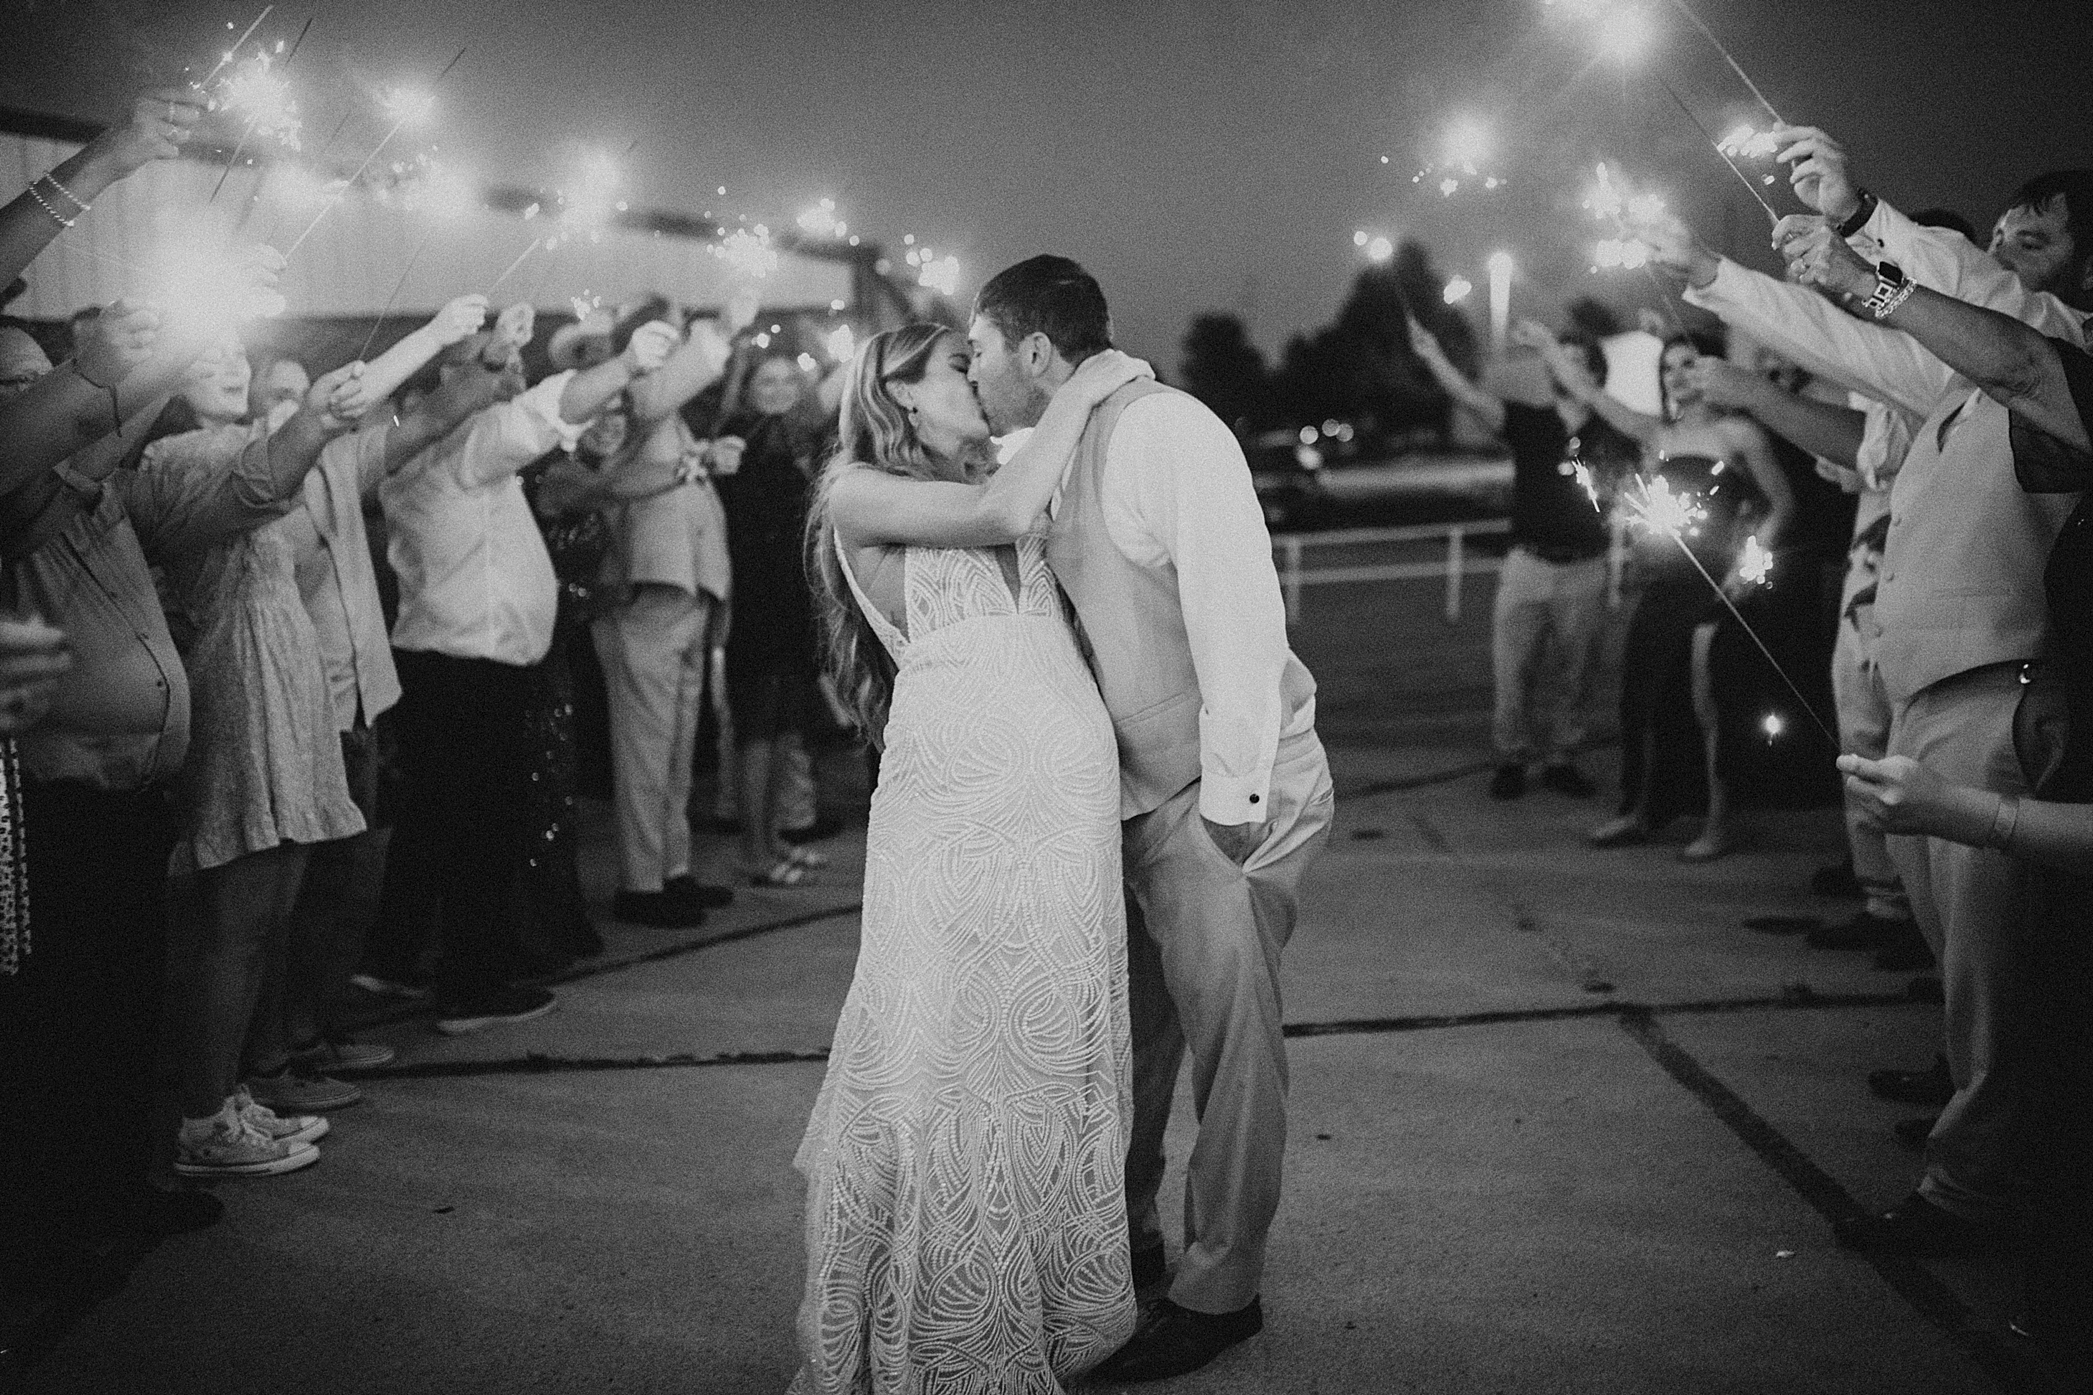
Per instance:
x=1196, y=156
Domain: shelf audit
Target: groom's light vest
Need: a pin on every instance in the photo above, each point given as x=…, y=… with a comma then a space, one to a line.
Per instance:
x=1135, y=626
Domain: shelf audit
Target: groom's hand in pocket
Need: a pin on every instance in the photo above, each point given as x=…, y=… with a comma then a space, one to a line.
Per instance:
x=1235, y=840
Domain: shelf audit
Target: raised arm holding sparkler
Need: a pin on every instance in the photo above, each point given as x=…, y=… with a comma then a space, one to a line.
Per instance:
x=159, y=124
x=1485, y=406
x=383, y=375
x=135, y=355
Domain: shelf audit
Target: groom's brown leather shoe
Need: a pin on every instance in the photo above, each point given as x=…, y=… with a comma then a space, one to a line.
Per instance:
x=1175, y=1340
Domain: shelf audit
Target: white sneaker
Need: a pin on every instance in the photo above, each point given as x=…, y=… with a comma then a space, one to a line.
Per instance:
x=227, y=1145
x=284, y=1128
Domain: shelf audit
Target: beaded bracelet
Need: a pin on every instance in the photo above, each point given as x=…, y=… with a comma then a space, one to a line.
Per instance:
x=51, y=178
x=45, y=205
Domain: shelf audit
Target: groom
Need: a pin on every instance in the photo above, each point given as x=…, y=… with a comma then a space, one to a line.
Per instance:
x=1160, y=543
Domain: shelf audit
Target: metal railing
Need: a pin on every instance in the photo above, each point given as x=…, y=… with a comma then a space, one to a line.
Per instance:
x=1456, y=565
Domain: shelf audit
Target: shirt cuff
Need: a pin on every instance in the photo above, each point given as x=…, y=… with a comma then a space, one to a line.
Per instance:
x=1228, y=793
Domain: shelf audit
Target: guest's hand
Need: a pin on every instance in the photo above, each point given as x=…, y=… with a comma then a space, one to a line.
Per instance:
x=1422, y=342
x=117, y=340
x=1105, y=373
x=740, y=311
x=334, y=399
x=650, y=346
x=724, y=454
x=715, y=349
x=1725, y=384
x=1819, y=177
x=33, y=657
x=1237, y=841
x=1818, y=256
x=458, y=319
x=513, y=327
x=161, y=122
x=1674, y=247
x=1898, y=795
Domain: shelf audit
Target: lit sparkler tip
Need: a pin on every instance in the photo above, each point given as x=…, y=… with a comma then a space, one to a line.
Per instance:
x=1756, y=566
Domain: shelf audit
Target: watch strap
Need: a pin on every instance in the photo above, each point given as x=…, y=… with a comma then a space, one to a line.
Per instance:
x=1862, y=212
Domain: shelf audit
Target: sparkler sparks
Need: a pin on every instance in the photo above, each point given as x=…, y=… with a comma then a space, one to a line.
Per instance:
x=747, y=251
x=1659, y=511
x=1744, y=143
x=821, y=221
x=254, y=91
x=1756, y=565
x=1583, y=474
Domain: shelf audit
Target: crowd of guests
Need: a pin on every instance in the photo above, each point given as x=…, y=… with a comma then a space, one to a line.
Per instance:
x=1885, y=466
x=289, y=677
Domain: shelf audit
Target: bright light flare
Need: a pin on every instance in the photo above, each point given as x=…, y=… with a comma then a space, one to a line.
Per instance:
x=821, y=220
x=1653, y=507
x=1469, y=142
x=254, y=92
x=841, y=343
x=747, y=252
x=1756, y=566
x=940, y=275
x=587, y=206
x=202, y=284
x=409, y=106
x=1379, y=250
x=1745, y=143
x=1625, y=33
x=1773, y=724
x=1621, y=254
x=1457, y=290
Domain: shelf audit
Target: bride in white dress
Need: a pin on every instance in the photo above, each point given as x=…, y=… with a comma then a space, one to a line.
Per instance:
x=966, y=1220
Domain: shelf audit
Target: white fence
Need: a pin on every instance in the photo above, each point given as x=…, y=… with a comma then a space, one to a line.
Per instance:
x=1455, y=565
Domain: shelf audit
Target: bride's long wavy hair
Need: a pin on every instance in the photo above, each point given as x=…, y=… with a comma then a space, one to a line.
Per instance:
x=875, y=430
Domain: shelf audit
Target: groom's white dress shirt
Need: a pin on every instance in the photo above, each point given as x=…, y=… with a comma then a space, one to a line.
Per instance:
x=1176, y=494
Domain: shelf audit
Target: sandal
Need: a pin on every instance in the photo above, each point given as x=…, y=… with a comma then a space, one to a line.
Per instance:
x=800, y=855
x=782, y=873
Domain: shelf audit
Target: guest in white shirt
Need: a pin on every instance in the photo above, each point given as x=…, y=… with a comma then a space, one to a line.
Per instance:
x=477, y=601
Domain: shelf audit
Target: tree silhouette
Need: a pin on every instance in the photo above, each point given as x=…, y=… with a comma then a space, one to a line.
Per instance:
x=1223, y=369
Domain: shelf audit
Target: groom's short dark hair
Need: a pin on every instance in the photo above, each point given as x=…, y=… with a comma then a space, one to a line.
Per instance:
x=1052, y=296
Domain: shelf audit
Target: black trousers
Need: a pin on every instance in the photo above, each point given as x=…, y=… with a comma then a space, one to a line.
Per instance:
x=463, y=819
x=79, y=1026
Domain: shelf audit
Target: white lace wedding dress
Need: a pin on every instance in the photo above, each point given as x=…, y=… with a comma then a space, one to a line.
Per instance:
x=966, y=1220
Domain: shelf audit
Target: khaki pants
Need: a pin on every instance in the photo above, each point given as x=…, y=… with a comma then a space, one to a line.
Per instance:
x=1203, y=943
x=1864, y=729
x=1967, y=902
x=1542, y=633
x=654, y=660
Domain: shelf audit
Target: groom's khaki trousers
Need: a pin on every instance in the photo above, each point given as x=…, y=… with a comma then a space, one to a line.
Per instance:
x=1203, y=944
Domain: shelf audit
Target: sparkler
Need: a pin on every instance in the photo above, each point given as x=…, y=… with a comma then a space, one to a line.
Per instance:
x=404, y=113
x=1728, y=163
x=1585, y=482
x=1687, y=10
x=748, y=252
x=520, y=256
x=1678, y=516
x=1756, y=566
x=397, y=287
x=238, y=43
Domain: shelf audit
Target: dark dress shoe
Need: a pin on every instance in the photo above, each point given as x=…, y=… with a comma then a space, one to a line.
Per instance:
x=658, y=909
x=1175, y=1340
x=1509, y=782
x=1914, y=1226
x=1151, y=1265
x=704, y=895
x=1862, y=931
x=1569, y=780
x=1921, y=1089
x=1913, y=1133
x=1837, y=881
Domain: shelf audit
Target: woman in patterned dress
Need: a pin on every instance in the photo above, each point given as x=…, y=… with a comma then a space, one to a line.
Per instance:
x=966, y=1220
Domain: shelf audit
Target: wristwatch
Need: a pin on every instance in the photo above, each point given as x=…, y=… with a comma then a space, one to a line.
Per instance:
x=1892, y=289
x=1862, y=212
